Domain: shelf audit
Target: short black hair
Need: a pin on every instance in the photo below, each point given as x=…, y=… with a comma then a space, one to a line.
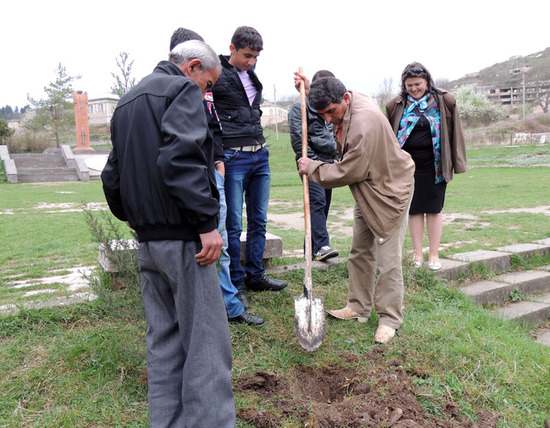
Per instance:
x=183, y=35
x=322, y=74
x=247, y=37
x=324, y=92
x=415, y=69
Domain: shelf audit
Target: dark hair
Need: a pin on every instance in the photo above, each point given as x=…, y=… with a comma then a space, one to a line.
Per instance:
x=183, y=35
x=415, y=69
x=247, y=37
x=324, y=92
x=322, y=74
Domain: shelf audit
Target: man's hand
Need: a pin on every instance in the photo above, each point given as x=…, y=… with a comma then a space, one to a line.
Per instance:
x=302, y=165
x=220, y=167
x=211, y=248
x=298, y=77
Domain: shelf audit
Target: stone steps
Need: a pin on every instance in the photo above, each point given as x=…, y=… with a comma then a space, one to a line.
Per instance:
x=43, y=167
x=523, y=296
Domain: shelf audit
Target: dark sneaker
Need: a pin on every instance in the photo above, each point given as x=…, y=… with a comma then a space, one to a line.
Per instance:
x=242, y=298
x=325, y=253
x=266, y=284
x=247, y=318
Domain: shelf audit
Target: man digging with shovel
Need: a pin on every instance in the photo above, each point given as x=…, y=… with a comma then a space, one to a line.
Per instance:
x=380, y=177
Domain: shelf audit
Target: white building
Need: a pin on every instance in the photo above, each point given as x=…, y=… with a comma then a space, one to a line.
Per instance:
x=272, y=114
x=100, y=110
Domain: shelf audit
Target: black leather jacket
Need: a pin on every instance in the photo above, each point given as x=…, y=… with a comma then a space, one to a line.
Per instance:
x=321, y=142
x=160, y=174
x=241, y=122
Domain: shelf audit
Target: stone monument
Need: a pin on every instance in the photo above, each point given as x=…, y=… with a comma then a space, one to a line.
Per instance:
x=81, y=121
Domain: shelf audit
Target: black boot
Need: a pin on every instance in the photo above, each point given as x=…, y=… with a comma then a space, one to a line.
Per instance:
x=242, y=298
x=265, y=283
x=247, y=318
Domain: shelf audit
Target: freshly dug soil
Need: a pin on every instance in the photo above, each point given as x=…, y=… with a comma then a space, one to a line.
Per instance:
x=367, y=392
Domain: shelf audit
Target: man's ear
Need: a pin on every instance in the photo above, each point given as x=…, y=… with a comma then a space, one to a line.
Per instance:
x=346, y=98
x=191, y=67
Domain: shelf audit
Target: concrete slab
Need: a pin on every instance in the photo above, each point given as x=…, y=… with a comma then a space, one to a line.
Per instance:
x=322, y=266
x=527, y=282
x=488, y=292
x=530, y=312
x=273, y=248
x=452, y=269
x=542, y=298
x=543, y=337
x=526, y=250
x=547, y=267
x=493, y=260
x=545, y=241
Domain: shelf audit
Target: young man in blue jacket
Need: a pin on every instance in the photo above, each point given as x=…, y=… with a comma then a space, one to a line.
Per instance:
x=238, y=94
x=160, y=179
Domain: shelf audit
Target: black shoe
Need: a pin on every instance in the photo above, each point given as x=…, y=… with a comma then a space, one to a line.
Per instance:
x=325, y=253
x=266, y=284
x=242, y=298
x=247, y=318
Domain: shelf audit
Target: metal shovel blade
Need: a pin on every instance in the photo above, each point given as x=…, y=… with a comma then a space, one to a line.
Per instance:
x=309, y=321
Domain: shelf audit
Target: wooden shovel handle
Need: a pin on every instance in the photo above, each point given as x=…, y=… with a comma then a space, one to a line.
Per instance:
x=307, y=214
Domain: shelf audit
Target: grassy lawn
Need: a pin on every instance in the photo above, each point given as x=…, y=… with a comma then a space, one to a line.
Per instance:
x=83, y=365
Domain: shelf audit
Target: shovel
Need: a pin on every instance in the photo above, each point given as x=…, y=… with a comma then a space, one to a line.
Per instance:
x=309, y=317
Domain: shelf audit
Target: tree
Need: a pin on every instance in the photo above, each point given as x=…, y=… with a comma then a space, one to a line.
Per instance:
x=124, y=82
x=5, y=130
x=442, y=83
x=475, y=108
x=56, y=112
x=385, y=92
x=6, y=112
x=543, y=98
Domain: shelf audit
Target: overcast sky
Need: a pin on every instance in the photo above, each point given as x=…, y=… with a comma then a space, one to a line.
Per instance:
x=362, y=41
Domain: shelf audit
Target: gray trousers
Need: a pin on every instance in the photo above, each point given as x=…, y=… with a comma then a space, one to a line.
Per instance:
x=188, y=341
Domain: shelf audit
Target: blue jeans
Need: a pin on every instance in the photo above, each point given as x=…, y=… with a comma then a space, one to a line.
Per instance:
x=232, y=304
x=248, y=174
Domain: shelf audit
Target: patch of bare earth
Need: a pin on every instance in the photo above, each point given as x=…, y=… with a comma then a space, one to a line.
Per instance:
x=337, y=221
x=369, y=391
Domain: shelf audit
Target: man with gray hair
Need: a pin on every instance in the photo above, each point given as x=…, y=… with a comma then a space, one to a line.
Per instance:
x=160, y=179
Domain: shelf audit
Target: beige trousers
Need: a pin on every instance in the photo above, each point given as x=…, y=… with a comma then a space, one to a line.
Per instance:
x=369, y=289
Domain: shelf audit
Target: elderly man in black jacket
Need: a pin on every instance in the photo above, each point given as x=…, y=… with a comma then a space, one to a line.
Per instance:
x=160, y=179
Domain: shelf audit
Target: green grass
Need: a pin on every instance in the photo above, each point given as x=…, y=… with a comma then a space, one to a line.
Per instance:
x=82, y=365
x=509, y=155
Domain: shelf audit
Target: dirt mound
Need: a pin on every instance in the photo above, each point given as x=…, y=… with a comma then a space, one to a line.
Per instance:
x=367, y=392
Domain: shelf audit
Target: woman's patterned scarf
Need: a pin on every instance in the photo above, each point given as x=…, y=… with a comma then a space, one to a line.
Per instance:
x=427, y=107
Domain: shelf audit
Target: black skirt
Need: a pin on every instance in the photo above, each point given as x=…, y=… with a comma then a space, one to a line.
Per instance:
x=428, y=197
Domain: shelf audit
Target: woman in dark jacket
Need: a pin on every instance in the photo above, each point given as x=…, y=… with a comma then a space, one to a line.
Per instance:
x=427, y=124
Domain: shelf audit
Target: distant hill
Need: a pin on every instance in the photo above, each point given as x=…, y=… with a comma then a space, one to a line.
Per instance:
x=509, y=73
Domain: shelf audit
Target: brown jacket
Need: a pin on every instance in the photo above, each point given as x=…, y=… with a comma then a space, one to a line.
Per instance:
x=453, y=147
x=378, y=172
